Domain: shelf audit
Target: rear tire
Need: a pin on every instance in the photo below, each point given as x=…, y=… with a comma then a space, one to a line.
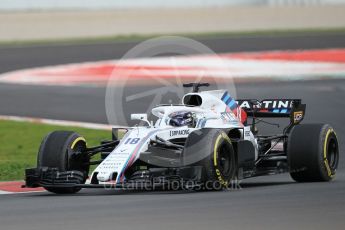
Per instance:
x=56, y=151
x=212, y=149
x=313, y=153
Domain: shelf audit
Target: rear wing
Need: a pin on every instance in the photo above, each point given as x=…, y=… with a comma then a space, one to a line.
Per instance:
x=274, y=108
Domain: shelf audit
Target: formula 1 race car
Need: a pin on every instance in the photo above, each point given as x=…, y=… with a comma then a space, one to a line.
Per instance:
x=206, y=142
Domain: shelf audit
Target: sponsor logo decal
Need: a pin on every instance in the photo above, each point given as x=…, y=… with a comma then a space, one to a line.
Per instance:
x=179, y=132
x=297, y=116
x=266, y=104
x=213, y=108
x=247, y=133
x=247, y=104
x=276, y=104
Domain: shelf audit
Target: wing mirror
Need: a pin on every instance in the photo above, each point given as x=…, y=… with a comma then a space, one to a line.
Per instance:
x=141, y=117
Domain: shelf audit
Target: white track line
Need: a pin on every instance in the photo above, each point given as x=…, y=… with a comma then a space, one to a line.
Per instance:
x=11, y=193
x=5, y=193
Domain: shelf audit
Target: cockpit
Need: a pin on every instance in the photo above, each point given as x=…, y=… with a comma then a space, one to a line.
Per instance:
x=177, y=115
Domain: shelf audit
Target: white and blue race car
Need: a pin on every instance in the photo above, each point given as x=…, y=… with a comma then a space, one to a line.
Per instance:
x=204, y=143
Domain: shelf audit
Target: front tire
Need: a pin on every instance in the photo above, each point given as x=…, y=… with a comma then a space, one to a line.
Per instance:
x=56, y=151
x=212, y=149
x=313, y=153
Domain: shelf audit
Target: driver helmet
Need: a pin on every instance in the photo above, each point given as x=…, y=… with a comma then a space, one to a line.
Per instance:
x=179, y=119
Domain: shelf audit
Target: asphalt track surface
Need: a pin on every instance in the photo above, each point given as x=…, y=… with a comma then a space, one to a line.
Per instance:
x=274, y=202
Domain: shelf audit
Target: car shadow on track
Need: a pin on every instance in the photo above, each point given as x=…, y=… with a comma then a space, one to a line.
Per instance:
x=261, y=184
x=111, y=192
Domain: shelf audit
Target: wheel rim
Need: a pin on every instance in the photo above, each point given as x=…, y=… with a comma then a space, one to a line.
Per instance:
x=332, y=153
x=224, y=160
x=79, y=163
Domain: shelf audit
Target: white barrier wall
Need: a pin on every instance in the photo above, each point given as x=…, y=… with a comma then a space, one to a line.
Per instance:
x=120, y=4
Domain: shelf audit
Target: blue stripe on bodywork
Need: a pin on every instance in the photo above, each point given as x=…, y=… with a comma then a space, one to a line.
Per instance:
x=232, y=104
x=224, y=95
x=226, y=98
x=228, y=101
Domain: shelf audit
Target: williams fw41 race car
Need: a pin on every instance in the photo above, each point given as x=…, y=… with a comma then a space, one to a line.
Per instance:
x=206, y=142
